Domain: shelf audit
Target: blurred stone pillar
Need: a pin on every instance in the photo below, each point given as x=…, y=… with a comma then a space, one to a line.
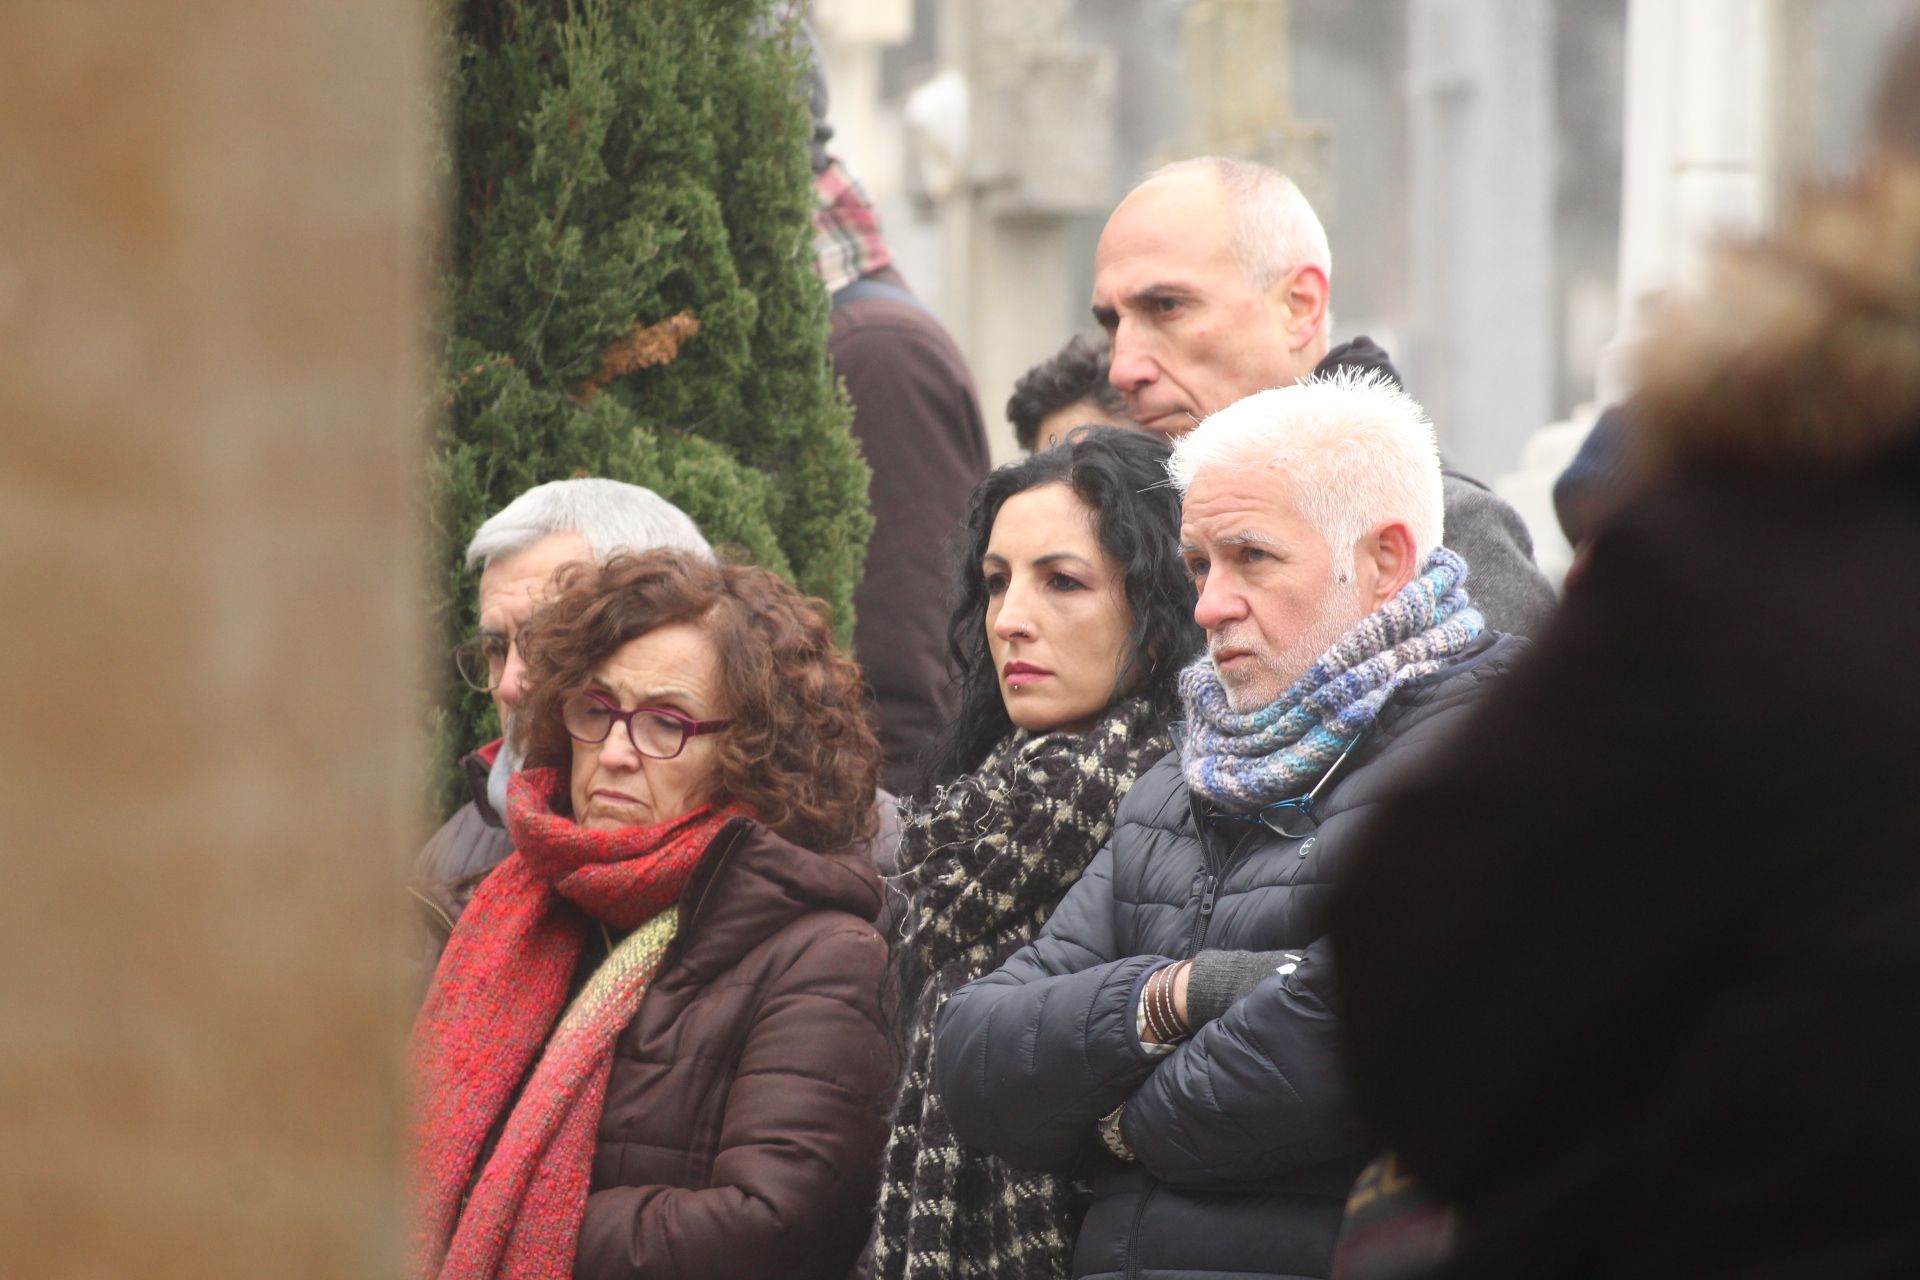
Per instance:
x=212, y=217
x=868, y=131
x=1711, y=86
x=1040, y=143
x=1702, y=106
x=1481, y=355
x=1240, y=95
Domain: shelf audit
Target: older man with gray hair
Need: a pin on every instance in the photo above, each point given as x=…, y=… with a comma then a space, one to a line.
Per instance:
x=1173, y=1034
x=517, y=552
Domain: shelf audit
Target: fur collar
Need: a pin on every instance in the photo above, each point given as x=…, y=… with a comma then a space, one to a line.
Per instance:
x=1803, y=349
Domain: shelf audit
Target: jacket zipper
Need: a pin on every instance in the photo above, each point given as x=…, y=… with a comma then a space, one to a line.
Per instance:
x=433, y=906
x=1210, y=883
x=685, y=928
x=1133, y=1233
x=1206, y=910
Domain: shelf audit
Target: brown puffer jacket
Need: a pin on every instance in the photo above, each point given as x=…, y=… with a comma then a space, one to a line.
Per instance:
x=747, y=1106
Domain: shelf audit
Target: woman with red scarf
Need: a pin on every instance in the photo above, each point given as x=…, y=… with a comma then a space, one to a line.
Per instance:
x=654, y=1046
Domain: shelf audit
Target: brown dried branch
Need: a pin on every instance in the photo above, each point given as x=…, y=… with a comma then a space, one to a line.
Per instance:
x=648, y=345
x=459, y=384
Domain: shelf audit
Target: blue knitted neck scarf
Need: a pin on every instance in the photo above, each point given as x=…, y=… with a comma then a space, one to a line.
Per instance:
x=1243, y=762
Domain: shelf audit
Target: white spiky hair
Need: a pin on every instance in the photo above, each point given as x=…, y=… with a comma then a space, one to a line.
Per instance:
x=1352, y=450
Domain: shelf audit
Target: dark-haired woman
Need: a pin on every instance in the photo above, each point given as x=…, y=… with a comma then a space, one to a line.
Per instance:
x=654, y=1045
x=1075, y=616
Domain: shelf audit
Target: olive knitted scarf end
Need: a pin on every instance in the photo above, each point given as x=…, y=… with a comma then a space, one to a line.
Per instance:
x=500, y=1051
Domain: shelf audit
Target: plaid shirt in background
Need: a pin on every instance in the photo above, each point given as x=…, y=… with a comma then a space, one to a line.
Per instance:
x=846, y=229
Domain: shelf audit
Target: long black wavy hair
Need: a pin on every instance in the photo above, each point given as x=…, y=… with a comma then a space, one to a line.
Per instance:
x=1121, y=475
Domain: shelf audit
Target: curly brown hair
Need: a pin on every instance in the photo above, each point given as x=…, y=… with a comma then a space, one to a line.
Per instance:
x=800, y=753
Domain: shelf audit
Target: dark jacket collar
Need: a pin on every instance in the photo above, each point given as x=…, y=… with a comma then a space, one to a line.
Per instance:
x=752, y=883
x=477, y=765
x=1360, y=353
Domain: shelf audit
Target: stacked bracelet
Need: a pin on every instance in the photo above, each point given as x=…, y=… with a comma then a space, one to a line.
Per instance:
x=1156, y=1003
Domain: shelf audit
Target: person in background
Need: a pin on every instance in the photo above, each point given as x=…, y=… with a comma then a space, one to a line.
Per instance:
x=517, y=551
x=1075, y=618
x=1213, y=280
x=1066, y=390
x=1595, y=484
x=1173, y=1035
x=918, y=420
x=1631, y=974
x=654, y=1047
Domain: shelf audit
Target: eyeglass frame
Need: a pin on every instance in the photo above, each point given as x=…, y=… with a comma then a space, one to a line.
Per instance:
x=1303, y=805
x=689, y=727
x=475, y=644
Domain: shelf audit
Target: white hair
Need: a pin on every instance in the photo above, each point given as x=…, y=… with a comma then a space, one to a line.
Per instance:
x=1274, y=228
x=1352, y=450
x=613, y=517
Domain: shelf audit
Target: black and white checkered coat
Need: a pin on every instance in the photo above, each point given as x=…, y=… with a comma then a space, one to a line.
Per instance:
x=984, y=863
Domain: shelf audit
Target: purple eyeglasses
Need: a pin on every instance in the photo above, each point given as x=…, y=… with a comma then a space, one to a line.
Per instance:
x=655, y=732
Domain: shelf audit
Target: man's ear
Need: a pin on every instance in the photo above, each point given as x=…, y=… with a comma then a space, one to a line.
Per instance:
x=1384, y=561
x=1304, y=293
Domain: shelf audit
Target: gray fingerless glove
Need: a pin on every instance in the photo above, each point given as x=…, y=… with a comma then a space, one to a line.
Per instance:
x=1219, y=978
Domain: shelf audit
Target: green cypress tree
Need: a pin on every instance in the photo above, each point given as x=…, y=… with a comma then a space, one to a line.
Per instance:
x=629, y=291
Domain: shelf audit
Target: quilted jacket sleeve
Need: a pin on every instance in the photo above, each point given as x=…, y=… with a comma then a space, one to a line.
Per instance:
x=1257, y=1092
x=799, y=1153
x=1028, y=1058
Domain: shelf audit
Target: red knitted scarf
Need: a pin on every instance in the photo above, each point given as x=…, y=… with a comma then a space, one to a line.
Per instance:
x=495, y=1010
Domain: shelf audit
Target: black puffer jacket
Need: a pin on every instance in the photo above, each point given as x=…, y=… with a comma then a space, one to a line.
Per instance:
x=1244, y=1135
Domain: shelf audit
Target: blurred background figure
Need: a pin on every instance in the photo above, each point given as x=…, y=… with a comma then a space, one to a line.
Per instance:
x=654, y=1045
x=1066, y=390
x=918, y=421
x=1649, y=1013
x=1075, y=618
x=1594, y=485
x=518, y=551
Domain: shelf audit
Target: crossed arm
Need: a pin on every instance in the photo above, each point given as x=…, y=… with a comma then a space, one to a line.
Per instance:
x=1032, y=1056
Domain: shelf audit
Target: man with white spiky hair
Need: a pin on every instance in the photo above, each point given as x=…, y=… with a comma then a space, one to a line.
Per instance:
x=1173, y=1034
x=1340, y=462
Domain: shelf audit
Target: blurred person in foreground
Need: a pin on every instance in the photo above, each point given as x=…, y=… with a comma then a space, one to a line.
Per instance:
x=654, y=1046
x=1672, y=865
x=1068, y=389
x=1075, y=619
x=517, y=551
x=1213, y=280
x=1173, y=1035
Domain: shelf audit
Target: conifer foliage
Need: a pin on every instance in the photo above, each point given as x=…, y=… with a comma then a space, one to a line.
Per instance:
x=629, y=291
